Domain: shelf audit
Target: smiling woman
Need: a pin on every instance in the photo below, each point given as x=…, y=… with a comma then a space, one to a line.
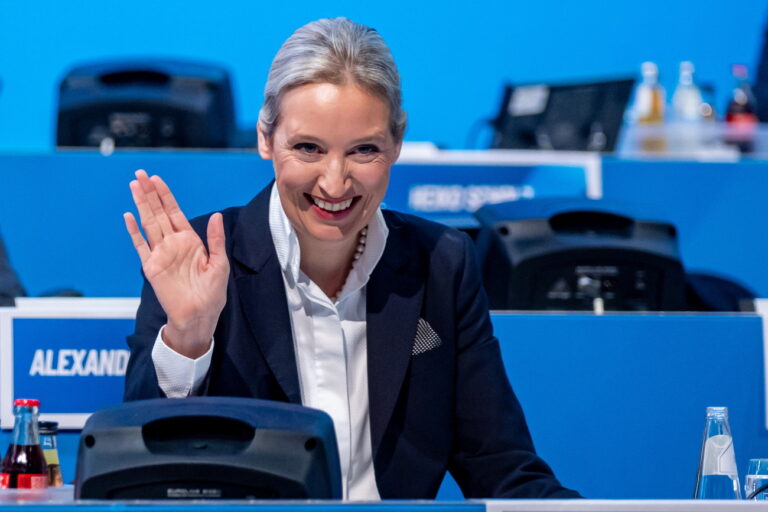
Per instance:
x=332, y=153
x=312, y=294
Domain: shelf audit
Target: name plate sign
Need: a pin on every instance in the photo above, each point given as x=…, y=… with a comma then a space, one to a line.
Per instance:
x=69, y=353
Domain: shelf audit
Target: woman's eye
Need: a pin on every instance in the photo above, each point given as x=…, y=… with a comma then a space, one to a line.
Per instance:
x=307, y=147
x=367, y=149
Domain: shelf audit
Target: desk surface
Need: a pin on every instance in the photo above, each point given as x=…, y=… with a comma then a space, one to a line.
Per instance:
x=61, y=499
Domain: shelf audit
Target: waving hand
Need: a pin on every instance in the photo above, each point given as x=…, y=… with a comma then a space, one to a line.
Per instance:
x=189, y=281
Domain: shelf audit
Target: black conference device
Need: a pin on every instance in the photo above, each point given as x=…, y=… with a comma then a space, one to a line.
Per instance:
x=146, y=103
x=208, y=448
x=563, y=253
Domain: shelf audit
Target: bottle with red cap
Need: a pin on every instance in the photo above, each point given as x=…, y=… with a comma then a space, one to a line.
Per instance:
x=24, y=464
x=740, y=116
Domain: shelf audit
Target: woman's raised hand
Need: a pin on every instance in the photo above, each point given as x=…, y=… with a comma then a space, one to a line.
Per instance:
x=189, y=282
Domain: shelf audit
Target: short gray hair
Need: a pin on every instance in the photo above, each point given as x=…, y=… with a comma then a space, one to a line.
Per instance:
x=333, y=51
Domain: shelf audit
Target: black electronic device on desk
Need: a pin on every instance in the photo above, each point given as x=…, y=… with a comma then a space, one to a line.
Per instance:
x=569, y=117
x=563, y=254
x=146, y=103
x=208, y=448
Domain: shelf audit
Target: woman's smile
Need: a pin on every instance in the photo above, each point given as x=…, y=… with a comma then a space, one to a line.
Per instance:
x=332, y=209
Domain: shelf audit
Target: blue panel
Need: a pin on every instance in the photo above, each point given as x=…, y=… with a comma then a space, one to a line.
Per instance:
x=718, y=208
x=61, y=214
x=616, y=404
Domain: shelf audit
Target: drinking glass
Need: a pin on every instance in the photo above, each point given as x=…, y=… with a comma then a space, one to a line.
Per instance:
x=756, y=483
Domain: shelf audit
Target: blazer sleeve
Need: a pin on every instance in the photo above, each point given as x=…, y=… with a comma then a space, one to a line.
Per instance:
x=140, y=376
x=494, y=454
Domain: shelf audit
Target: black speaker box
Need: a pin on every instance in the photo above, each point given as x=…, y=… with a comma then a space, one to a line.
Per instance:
x=562, y=254
x=146, y=103
x=208, y=448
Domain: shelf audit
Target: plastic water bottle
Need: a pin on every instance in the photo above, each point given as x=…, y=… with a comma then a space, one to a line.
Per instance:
x=686, y=105
x=718, y=478
x=686, y=101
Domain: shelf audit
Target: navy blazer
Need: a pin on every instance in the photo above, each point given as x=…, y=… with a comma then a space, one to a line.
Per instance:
x=447, y=408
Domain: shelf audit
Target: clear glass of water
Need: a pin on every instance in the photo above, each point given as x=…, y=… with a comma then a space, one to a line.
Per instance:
x=756, y=483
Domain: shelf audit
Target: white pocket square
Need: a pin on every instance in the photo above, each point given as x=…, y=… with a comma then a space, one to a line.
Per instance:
x=426, y=338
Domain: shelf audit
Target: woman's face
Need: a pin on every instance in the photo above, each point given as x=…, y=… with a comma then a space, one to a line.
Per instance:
x=332, y=150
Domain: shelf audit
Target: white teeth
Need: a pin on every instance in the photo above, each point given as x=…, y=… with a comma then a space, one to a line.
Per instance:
x=332, y=207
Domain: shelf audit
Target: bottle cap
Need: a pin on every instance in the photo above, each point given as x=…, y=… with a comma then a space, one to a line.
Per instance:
x=717, y=410
x=26, y=402
x=649, y=69
x=739, y=70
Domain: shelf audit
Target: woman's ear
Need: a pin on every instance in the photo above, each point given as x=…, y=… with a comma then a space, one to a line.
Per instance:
x=265, y=143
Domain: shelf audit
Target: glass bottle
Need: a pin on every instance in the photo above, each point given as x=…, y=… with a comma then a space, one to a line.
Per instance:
x=48, y=431
x=741, y=113
x=741, y=108
x=718, y=478
x=648, y=110
x=650, y=97
x=24, y=464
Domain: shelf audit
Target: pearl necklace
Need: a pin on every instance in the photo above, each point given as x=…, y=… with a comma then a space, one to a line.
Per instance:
x=363, y=237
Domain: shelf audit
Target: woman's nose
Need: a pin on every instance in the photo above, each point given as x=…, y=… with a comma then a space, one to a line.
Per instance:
x=334, y=177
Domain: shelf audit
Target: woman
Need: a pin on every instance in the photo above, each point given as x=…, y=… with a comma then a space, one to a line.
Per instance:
x=312, y=294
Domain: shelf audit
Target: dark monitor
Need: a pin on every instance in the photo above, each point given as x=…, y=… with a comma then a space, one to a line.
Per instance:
x=569, y=117
x=146, y=103
x=208, y=448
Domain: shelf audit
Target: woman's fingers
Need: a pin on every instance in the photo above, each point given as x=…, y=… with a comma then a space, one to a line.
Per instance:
x=138, y=241
x=148, y=220
x=158, y=210
x=154, y=202
x=217, y=254
x=171, y=207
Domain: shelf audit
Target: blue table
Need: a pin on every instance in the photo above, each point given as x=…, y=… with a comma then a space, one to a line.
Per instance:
x=615, y=403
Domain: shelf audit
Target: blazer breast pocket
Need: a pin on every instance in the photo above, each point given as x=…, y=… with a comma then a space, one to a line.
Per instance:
x=430, y=357
x=426, y=338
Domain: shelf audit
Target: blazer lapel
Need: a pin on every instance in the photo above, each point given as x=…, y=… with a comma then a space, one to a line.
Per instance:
x=394, y=297
x=262, y=293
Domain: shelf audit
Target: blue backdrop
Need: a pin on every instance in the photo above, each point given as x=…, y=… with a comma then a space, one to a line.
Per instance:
x=453, y=56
